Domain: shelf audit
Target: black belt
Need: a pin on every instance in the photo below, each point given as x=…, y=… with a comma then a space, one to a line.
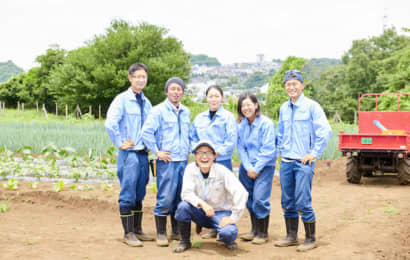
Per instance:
x=143, y=152
x=291, y=159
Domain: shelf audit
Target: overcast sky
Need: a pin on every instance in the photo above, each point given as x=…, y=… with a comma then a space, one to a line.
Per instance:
x=230, y=30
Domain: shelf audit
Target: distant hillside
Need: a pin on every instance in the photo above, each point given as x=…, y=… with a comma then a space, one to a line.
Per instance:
x=202, y=59
x=8, y=69
x=314, y=67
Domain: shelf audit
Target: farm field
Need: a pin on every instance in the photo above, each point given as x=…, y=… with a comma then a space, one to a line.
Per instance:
x=366, y=221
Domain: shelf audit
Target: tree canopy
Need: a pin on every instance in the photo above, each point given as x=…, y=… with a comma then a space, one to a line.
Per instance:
x=203, y=59
x=95, y=73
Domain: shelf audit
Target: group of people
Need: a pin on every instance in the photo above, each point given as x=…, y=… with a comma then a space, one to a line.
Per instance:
x=206, y=191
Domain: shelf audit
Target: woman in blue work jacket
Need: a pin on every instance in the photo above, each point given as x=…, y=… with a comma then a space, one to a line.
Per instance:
x=219, y=126
x=257, y=151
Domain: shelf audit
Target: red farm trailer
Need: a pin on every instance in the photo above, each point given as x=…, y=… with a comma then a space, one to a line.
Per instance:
x=382, y=145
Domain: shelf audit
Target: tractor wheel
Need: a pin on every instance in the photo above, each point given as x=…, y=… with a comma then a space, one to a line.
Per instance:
x=404, y=171
x=352, y=170
x=367, y=174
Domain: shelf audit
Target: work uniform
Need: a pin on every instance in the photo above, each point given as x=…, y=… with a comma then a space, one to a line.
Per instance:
x=221, y=190
x=125, y=118
x=257, y=151
x=220, y=129
x=302, y=129
x=166, y=129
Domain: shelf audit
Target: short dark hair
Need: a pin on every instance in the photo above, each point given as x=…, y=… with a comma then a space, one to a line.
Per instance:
x=137, y=66
x=254, y=100
x=218, y=88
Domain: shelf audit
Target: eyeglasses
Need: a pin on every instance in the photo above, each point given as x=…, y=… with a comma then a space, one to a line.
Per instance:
x=207, y=153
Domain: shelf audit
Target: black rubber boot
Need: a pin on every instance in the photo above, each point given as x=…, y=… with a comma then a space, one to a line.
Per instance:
x=161, y=225
x=138, y=227
x=185, y=231
x=174, y=228
x=252, y=233
x=310, y=239
x=129, y=235
x=291, y=239
x=261, y=236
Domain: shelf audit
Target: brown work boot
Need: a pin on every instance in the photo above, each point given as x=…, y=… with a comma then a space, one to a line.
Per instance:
x=291, y=238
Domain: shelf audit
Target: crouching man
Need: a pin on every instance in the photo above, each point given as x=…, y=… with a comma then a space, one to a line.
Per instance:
x=212, y=197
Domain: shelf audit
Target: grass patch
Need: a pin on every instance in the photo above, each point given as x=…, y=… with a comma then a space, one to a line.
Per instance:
x=393, y=211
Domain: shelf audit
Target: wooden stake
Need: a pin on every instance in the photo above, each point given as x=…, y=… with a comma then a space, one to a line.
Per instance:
x=91, y=111
x=37, y=106
x=18, y=106
x=66, y=112
x=45, y=111
x=56, y=110
x=99, y=111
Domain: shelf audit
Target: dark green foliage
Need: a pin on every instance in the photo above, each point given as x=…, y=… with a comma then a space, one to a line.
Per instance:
x=257, y=79
x=7, y=70
x=375, y=65
x=97, y=72
x=203, y=59
x=314, y=67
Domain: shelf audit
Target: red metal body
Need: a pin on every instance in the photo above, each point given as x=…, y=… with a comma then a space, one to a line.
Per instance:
x=371, y=138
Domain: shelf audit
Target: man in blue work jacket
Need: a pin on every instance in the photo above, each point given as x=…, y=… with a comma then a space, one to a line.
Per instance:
x=125, y=118
x=165, y=133
x=303, y=134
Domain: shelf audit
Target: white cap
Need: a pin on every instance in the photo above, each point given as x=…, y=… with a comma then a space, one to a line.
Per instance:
x=204, y=143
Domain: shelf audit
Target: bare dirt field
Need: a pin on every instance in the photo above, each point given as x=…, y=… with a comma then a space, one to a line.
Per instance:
x=366, y=221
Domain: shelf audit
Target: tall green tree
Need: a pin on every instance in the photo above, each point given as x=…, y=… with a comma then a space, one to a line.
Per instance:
x=96, y=73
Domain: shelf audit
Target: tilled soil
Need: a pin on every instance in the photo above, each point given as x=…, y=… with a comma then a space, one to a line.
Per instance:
x=366, y=221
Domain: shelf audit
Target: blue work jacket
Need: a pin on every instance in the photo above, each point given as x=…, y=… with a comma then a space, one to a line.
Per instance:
x=123, y=120
x=222, y=131
x=165, y=130
x=302, y=129
x=257, y=143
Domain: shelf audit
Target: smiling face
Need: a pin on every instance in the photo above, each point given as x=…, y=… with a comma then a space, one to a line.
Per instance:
x=204, y=157
x=174, y=93
x=138, y=80
x=294, y=89
x=214, y=99
x=249, y=108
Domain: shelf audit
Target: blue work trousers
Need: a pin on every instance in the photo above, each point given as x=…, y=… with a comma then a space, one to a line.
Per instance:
x=226, y=163
x=259, y=190
x=186, y=213
x=133, y=173
x=296, y=184
x=169, y=186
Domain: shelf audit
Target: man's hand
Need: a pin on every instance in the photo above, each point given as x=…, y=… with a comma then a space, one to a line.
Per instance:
x=253, y=175
x=127, y=145
x=308, y=158
x=226, y=221
x=164, y=156
x=209, y=211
